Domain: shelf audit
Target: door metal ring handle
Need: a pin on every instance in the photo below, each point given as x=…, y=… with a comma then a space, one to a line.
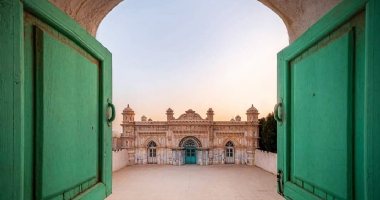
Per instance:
x=112, y=115
x=276, y=116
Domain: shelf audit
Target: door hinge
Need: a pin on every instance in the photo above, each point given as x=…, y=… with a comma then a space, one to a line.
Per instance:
x=280, y=183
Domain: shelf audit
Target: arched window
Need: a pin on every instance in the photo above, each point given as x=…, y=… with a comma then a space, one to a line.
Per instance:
x=230, y=151
x=152, y=152
x=229, y=144
x=152, y=144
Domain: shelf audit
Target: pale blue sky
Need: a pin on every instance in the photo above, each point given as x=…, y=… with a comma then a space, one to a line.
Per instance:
x=193, y=54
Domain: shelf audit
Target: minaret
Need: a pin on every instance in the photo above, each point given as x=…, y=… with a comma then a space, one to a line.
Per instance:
x=128, y=114
x=128, y=139
x=252, y=140
x=252, y=114
x=210, y=114
x=170, y=114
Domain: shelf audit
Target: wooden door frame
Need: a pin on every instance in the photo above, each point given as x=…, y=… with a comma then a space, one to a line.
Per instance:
x=16, y=173
x=11, y=101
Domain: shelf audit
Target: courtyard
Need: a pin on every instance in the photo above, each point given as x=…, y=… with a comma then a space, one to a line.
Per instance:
x=193, y=182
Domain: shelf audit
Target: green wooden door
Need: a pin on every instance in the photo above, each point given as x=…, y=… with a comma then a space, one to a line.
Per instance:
x=190, y=155
x=321, y=109
x=66, y=108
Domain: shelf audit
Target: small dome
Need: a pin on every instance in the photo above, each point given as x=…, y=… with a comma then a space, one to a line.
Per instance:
x=252, y=109
x=150, y=120
x=143, y=118
x=238, y=118
x=190, y=111
x=128, y=109
x=210, y=111
x=169, y=110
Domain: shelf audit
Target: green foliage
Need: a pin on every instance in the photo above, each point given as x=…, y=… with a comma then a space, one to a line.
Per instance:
x=268, y=133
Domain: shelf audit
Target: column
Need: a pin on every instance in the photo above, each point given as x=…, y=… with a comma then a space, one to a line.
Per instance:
x=199, y=157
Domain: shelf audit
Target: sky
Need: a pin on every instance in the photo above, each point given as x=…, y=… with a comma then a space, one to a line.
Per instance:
x=193, y=54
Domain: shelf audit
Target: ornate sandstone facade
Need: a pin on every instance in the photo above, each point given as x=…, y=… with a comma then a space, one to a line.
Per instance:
x=188, y=139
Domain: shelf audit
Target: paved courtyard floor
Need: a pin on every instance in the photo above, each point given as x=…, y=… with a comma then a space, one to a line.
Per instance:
x=193, y=182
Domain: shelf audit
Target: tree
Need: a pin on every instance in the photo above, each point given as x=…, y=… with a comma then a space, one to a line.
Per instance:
x=268, y=133
x=262, y=122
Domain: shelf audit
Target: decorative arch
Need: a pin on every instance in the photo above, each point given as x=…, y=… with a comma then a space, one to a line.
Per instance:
x=190, y=115
x=185, y=139
x=152, y=144
x=232, y=140
x=151, y=139
x=229, y=144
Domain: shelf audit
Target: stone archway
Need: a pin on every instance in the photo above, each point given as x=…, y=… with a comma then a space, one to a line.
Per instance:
x=190, y=146
x=298, y=15
x=190, y=138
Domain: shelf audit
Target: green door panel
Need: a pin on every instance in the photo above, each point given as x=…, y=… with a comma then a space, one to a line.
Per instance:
x=67, y=86
x=320, y=137
x=190, y=155
x=67, y=115
x=321, y=132
x=55, y=86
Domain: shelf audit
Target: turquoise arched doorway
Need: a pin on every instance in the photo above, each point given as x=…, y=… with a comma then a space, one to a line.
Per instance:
x=190, y=145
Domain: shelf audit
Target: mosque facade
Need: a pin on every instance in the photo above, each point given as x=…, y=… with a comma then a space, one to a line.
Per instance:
x=188, y=139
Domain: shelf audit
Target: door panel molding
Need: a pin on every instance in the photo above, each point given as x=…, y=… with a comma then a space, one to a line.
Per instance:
x=23, y=175
x=347, y=20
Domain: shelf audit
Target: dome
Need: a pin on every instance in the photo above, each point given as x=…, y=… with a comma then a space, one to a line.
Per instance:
x=252, y=109
x=128, y=109
x=169, y=110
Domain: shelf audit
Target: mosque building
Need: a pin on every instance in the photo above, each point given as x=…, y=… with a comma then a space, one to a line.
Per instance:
x=188, y=139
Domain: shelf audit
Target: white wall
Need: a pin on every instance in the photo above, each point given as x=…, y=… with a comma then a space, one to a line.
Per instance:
x=119, y=159
x=266, y=161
